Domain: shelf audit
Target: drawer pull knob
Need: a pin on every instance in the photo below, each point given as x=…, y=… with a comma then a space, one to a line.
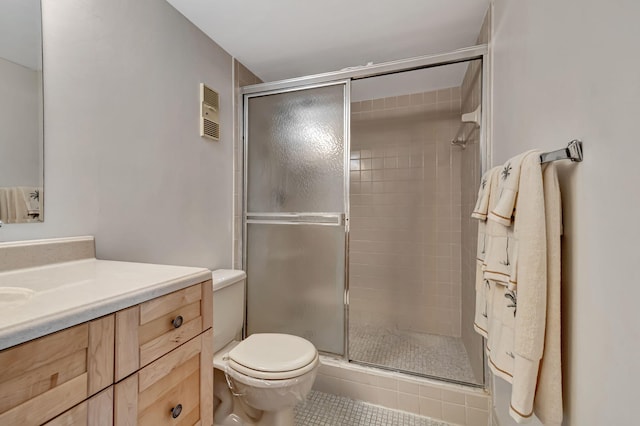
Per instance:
x=175, y=411
x=177, y=322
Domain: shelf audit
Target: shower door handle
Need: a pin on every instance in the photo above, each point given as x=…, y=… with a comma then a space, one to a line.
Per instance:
x=331, y=219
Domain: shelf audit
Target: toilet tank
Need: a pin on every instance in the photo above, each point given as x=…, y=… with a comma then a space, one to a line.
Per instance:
x=228, y=306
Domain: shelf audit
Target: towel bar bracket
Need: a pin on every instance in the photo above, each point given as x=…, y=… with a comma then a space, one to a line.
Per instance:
x=572, y=152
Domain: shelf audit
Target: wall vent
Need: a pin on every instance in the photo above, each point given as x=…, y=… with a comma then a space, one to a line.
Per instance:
x=209, y=119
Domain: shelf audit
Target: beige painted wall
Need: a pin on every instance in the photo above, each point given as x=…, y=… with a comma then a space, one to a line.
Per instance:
x=565, y=70
x=124, y=160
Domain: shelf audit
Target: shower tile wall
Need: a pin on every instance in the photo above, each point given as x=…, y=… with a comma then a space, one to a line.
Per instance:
x=470, y=178
x=243, y=77
x=405, y=239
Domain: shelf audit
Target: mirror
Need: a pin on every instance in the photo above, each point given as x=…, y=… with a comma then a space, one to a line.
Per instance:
x=21, y=117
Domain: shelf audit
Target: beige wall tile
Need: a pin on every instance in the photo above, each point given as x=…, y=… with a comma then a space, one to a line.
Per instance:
x=430, y=408
x=479, y=402
x=378, y=104
x=410, y=193
x=453, y=397
x=391, y=102
x=477, y=417
x=430, y=97
x=387, y=398
x=409, y=402
x=404, y=100
x=417, y=99
x=454, y=413
x=432, y=392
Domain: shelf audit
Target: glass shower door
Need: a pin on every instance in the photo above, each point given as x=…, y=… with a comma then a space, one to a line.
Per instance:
x=295, y=213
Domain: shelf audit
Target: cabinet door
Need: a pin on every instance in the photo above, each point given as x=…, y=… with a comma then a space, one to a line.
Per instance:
x=147, y=331
x=43, y=378
x=175, y=390
x=96, y=411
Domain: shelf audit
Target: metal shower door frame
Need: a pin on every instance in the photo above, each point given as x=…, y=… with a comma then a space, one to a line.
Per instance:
x=322, y=218
x=467, y=54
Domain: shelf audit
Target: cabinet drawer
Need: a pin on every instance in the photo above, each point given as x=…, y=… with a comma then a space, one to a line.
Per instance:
x=173, y=390
x=96, y=411
x=44, y=377
x=148, y=331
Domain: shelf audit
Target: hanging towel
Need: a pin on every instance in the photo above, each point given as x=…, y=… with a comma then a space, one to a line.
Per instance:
x=482, y=204
x=531, y=291
x=548, y=400
x=486, y=198
x=508, y=190
x=521, y=272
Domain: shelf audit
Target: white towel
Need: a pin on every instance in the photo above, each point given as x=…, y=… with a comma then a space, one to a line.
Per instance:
x=487, y=196
x=508, y=190
x=521, y=272
x=482, y=203
x=548, y=400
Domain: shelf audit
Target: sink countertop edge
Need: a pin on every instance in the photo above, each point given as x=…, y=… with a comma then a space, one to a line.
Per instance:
x=39, y=326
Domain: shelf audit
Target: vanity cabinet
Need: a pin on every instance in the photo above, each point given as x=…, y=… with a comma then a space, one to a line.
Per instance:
x=45, y=377
x=173, y=390
x=97, y=410
x=164, y=354
x=150, y=364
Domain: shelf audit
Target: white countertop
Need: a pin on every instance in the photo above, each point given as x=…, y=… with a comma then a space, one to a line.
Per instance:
x=62, y=295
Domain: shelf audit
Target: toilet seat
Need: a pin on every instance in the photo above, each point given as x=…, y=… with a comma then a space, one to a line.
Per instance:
x=273, y=356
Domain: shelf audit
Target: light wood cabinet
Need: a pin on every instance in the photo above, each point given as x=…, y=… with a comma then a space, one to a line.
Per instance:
x=151, y=364
x=95, y=411
x=147, y=331
x=164, y=360
x=174, y=390
x=44, y=377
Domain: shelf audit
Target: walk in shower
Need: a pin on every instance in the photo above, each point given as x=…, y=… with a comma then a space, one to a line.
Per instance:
x=407, y=307
x=357, y=230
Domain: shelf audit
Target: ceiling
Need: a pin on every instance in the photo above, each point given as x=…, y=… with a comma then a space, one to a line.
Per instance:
x=279, y=39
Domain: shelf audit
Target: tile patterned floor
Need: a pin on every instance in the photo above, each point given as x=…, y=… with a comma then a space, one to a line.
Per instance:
x=323, y=409
x=427, y=354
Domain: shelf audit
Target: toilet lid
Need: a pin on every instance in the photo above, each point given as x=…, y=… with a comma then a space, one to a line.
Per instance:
x=273, y=353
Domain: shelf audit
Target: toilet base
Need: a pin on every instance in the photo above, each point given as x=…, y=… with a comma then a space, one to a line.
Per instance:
x=232, y=420
x=268, y=418
x=277, y=418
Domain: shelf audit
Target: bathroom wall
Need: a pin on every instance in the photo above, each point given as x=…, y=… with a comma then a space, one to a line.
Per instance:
x=19, y=121
x=564, y=70
x=124, y=160
x=471, y=98
x=404, y=260
x=243, y=77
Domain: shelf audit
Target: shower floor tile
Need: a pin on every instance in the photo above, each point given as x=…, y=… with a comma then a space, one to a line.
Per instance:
x=421, y=353
x=331, y=410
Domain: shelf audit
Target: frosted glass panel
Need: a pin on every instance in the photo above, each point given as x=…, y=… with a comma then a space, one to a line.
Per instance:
x=296, y=151
x=295, y=282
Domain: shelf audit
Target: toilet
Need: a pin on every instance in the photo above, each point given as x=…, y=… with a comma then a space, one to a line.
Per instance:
x=258, y=380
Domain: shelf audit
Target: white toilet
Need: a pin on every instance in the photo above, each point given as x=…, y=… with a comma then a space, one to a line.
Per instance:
x=259, y=380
